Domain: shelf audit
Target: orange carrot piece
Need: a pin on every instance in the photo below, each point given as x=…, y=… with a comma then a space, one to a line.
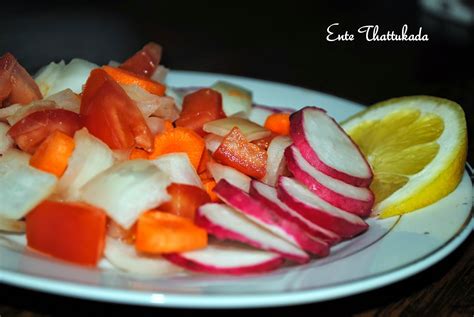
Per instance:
x=126, y=77
x=160, y=232
x=168, y=125
x=138, y=154
x=278, y=123
x=53, y=154
x=209, y=185
x=203, y=163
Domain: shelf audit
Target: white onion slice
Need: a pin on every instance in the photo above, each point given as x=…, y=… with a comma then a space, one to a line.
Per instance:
x=10, y=225
x=67, y=100
x=213, y=142
x=249, y=129
x=176, y=95
x=276, y=163
x=25, y=110
x=126, y=258
x=179, y=169
x=260, y=114
x=126, y=190
x=90, y=157
x=155, y=124
x=22, y=186
x=234, y=98
x=9, y=111
x=6, y=141
x=160, y=74
x=233, y=176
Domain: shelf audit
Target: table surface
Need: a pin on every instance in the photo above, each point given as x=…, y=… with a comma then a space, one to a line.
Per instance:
x=263, y=44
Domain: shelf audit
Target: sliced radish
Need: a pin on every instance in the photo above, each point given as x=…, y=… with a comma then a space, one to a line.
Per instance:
x=179, y=169
x=213, y=141
x=6, y=141
x=270, y=220
x=325, y=145
x=268, y=196
x=90, y=157
x=22, y=186
x=249, y=129
x=310, y=206
x=126, y=258
x=226, y=258
x=276, y=164
x=126, y=190
x=233, y=176
x=357, y=200
x=226, y=223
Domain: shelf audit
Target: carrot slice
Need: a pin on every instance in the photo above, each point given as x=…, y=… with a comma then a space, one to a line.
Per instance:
x=278, y=123
x=126, y=77
x=53, y=154
x=160, y=232
x=209, y=185
x=168, y=125
x=203, y=163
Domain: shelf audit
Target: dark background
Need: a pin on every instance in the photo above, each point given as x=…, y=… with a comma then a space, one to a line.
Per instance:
x=280, y=42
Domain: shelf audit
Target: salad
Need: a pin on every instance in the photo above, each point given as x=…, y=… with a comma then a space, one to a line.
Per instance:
x=109, y=161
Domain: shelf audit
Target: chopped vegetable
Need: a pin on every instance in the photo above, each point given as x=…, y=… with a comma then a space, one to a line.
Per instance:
x=150, y=104
x=235, y=98
x=250, y=130
x=125, y=77
x=5, y=140
x=145, y=61
x=73, y=232
x=264, y=143
x=276, y=163
x=160, y=232
x=185, y=200
x=233, y=176
x=178, y=168
x=209, y=185
x=53, y=154
x=11, y=225
x=213, y=142
x=278, y=123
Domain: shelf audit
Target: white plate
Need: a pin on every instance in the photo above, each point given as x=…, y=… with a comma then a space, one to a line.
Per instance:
x=391, y=250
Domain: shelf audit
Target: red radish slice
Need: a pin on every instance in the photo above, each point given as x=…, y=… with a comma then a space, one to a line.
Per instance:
x=267, y=218
x=301, y=199
x=179, y=169
x=325, y=145
x=220, y=258
x=268, y=196
x=356, y=200
x=226, y=223
x=233, y=176
x=213, y=141
x=276, y=164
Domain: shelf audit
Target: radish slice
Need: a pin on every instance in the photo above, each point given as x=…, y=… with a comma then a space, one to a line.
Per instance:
x=126, y=258
x=225, y=258
x=213, y=142
x=270, y=220
x=276, y=164
x=234, y=98
x=226, y=223
x=179, y=169
x=268, y=196
x=318, y=137
x=231, y=175
x=310, y=206
x=22, y=186
x=126, y=190
x=12, y=226
x=249, y=129
x=356, y=200
x=90, y=157
x=6, y=141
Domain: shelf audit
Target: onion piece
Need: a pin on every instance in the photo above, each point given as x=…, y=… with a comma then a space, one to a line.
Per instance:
x=126, y=258
x=160, y=74
x=127, y=189
x=25, y=110
x=155, y=124
x=176, y=95
x=179, y=169
x=276, y=163
x=10, y=225
x=9, y=111
x=6, y=141
x=114, y=63
x=233, y=176
x=213, y=141
x=67, y=100
x=234, y=98
x=22, y=186
x=90, y=157
x=249, y=129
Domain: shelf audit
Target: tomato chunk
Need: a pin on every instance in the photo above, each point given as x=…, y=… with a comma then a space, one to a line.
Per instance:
x=32, y=130
x=235, y=151
x=110, y=115
x=16, y=85
x=73, y=232
x=264, y=143
x=185, y=200
x=200, y=107
x=145, y=61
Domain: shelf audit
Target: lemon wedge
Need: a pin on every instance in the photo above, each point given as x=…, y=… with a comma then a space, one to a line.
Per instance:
x=417, y=148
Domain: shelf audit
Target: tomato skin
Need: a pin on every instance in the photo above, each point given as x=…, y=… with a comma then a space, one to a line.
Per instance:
x=248, y=158
x=110, y=115
x=264, y=143
x=74, y=232
x=185, y=200
x=145, y=61
x=32, y=130
x=200, y=107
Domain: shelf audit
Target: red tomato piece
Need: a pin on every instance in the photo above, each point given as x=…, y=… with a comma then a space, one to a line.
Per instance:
x=73, y=232
x=185, y=200
x=235, y=151
x=16, y=85
x=200, y=107
x=112, y=116
x=263, y=143
x=32, y=130
x=145, y=61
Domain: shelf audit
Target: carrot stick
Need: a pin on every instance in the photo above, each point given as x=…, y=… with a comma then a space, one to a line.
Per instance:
x=160, y=232
x=278, y=123
x=209, y=185
x=125, y=77
x=53, y=154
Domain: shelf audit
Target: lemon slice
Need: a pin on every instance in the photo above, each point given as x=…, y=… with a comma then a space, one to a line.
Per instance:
x=417, y=148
